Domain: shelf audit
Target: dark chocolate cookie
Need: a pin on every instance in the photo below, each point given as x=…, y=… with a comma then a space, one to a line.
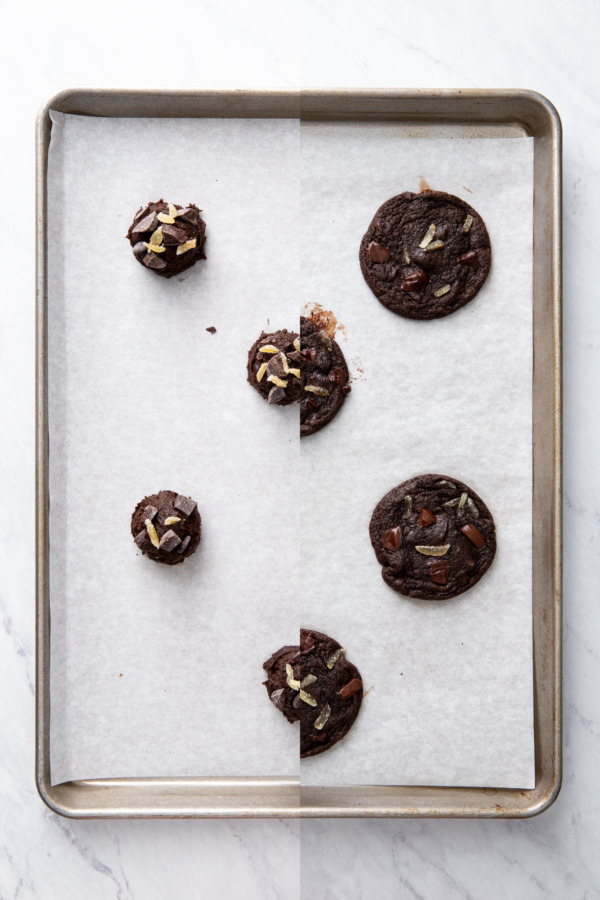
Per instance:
x=166, y=527
x=425, y=255
x=316, y=685
x=167, y=238
x=326, y=376
x=433, y=536
x=275, y=367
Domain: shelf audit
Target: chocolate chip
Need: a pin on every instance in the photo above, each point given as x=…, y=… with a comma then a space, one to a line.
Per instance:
x=438, y=572
x=378, y=253
x=152, y=261
x=149, y=513
x=212, y=329
x=338, y=375
x=426, y=518
x=346, y=390
x=392, y=539
x=319, y=738
x=173, y=235
x=169, y=541
x=469, y=259
x=350, y=689
x=184, y=544
x=415, y=281
x=474, y=536
x=184, y=504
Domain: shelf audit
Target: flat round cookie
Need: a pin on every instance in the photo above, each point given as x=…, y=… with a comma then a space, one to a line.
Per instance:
x=166, y=527
x=425, y=255
x=317, y=686
x=275, y=367
x=325, y=385
x=434, y=537
x=167, y=238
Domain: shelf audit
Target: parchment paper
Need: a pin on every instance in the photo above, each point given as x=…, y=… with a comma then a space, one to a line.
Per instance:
x=157, y=671
x=449, y=685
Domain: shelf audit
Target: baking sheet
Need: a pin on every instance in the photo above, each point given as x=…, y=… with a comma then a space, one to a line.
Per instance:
x=99, y=729
x=449, y=697
x=157, y=670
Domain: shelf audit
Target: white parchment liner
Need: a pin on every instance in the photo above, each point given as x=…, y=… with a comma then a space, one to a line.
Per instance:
x=449, y=685
x=157, y=671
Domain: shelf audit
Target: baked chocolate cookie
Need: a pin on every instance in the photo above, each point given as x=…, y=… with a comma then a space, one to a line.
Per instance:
x=275, y=367
x=167, y=238
x=317, y=686
x=325, y=385
x=434, y=537
x=425, y=255
x=166, y=527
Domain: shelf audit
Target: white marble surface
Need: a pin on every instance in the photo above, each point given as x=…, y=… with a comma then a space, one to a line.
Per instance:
x=547, y=46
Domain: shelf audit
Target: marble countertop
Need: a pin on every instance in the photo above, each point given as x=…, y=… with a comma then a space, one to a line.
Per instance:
x=549, y=47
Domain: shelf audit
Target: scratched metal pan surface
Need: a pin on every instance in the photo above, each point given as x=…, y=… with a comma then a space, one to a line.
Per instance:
x=419, y=113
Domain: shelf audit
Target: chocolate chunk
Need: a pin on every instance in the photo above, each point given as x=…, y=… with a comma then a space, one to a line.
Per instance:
x=392, y=539
x=152, y=261
x=190, y=214
x=469, y=259
x=149, y=513
x=148, y=224
x=378, y=253
x=276, y=395
x=338, y=375
x=350, y=689
x=141, y=537
x=140, y=249
x=173, y=235
x=169, y=541
x=211, y=329
x=474, y=536
x=426, y=518
x=416, y=281
x=275, y=367
x=438, y=572
x=183, y=546
x=184, y=504
x=276, y=698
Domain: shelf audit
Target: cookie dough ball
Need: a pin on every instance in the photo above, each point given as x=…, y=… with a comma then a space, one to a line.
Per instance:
x=325, y=385
x=317, y=686
x=167, y=238
x=425, y=255
x=166, y=527
x=275, y=367
x=434, y=537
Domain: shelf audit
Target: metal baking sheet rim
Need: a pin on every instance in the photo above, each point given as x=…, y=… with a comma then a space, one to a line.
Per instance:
x=475, y=113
